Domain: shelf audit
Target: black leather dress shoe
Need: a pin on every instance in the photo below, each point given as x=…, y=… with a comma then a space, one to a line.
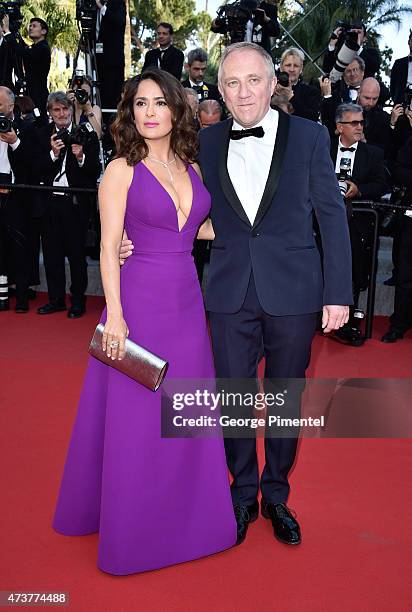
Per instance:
x=22, y=307
x=4, y=305
x=349, y=335
x=391, y=336
x=51, y=308
x=76, y=311
x=244, y=515
x=285, y=526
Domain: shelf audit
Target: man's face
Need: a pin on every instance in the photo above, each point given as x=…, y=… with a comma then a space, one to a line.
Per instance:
x=293, y=66
x=368, y=96
x=351, y=128
x=196, y=71
x=207, y=120
x=164, y=37
x=36, y=31
x=61, y=115
x=6, y=106
x=246, y=86
x=353, y=74
x=361, y=34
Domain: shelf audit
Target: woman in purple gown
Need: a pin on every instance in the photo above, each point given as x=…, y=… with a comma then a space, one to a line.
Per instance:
x=154, y=501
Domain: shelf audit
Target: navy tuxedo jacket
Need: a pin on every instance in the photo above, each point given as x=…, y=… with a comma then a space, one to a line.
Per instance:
x=280, y=247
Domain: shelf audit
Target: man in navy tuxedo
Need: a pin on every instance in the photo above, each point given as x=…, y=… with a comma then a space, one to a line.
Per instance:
x=267, y=173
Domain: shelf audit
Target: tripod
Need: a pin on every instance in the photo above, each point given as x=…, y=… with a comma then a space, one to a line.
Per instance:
x=87, y=45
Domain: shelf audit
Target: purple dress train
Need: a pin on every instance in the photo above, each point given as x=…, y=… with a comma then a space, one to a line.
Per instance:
x=154, y=501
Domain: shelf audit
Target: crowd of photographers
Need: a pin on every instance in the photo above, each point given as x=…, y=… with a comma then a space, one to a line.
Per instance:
x=54, y=142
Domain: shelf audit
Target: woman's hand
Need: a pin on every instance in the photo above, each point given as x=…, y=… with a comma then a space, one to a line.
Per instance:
x=114, y=337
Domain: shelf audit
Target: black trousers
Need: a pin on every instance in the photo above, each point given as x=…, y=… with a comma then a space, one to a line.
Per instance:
x=237, y=346
x=401, y=318
x=64, y=228
x=14, y=241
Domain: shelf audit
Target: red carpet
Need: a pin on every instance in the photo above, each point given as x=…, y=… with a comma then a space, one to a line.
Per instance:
x=352, y=496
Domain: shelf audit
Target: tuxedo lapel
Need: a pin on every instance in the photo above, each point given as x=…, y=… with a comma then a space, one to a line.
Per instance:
x=275, y=167
x=224, y=177
x=359, y=162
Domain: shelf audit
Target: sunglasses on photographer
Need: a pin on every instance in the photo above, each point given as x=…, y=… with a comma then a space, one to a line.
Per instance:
x=353, y=123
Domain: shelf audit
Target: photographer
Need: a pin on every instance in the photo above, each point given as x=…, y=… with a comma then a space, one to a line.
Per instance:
x=248, y=20
x=14, y=206
x=6, y=61
x=401, y=75
x=361, y=175
x=305, y=99
x=401, y=319
x=355, y=32
x=36, y=59
x=196, y=67
x=166, y=57
x=66, y=158
x=84, y=111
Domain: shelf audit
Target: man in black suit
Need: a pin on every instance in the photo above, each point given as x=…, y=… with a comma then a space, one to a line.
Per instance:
x=36, y=59
x=401, y=75
x=166, y=56
x=259, y=21
x=401, y=318
x=377, y=128
x=196, y=67
x=304, y=98
x=111, y=24
x=365, y=180
x=65, y=216
x=14, y=209
x=370, y=56
x=267, y=172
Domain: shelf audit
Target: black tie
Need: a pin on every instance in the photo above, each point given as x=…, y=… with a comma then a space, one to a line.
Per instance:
x=351, y=149
x=258, y=132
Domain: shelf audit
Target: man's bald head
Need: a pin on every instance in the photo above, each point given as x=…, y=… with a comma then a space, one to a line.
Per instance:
x=6, y=101
x=369, y=93
x=210, y=112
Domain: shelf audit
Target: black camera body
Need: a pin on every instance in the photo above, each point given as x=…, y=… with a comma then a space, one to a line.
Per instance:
x=283, y=78
x=12, y=9
x=236, y=15
x=6, y=124
x=86, y=15
x=407, y=97
x=81, y=95
x=81, y=135
x=347, y=33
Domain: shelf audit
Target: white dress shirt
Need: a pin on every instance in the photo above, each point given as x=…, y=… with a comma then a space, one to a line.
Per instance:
x=346, y=154
x=5, y=167
x=248, y=163
x=410, y=71
x=60, y=180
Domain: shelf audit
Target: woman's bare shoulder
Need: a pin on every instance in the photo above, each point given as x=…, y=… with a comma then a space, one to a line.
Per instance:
x=119, y=170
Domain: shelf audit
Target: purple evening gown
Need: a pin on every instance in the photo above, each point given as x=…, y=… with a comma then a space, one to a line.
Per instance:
x=154, y=501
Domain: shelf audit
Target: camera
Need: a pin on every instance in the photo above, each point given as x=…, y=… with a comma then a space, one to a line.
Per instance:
x=283, y=78
x=344, y=174
x=86, y=15
x=81, y=96
x=347, y=48
x=81, y=135
x=407, y=97
x=12, y=9
x=234, y=18
x=6, y=124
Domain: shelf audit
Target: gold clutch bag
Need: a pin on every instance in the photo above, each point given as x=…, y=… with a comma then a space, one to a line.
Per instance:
x=138, y=363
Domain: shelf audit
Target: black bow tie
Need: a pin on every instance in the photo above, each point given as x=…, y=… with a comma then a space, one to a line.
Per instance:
x=355, y=88
x=258, y=132
x=351, y=149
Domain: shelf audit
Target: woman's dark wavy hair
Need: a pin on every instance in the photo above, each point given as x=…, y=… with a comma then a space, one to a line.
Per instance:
x=130, y=144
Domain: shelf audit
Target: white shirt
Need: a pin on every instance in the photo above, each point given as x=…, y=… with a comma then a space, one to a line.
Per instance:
x=410, y=72
x=347, y=154
x=60, y=179
x=5, y=167
x=248, y=163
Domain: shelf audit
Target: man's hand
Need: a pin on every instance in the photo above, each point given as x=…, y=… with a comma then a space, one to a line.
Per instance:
x=99, y=4
x=77, y=151
x=126, y=249
x=56, y=145
x=333, y=40
x=333, y=317
x=353, y=190
x=287, y=92
x=5, y=24
x=408, y=113
x=9, y=137
x=325, y=86
x=397, y=111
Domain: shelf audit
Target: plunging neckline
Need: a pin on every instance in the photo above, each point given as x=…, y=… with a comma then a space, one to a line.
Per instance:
x=179, y=230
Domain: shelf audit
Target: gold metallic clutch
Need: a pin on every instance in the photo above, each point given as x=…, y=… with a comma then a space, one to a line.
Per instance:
x=138, y=363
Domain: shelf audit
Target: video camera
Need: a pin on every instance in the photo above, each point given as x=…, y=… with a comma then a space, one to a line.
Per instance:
x=346, y=48
x=86, y=15
x=234, y=17
x=12, y=9
x=81, y=135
